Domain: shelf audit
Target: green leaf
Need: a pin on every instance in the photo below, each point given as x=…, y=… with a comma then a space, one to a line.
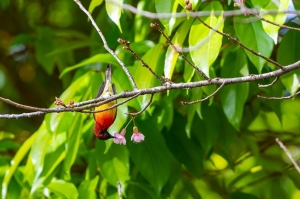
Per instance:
x=8, y=145
x=73, y=46
x=94, y=4
x=293, y=175
x=194, y=3
x=72, y=144
x=22, y=152
x=22, y=39
x=290, y=41
x=151, y=156
x=63, y=189
x=114, y=164
x=170, y=6
x=102, y=58
x=297, y=6
x=184, y=149
x=253, y=36
x=233, y=97
x=44, y=45
x=194, y=109
x=114, y=11
x=260, y=3
x=4, y=4
x=239, y=195
x=51, y=155
x=6, y=135
x=143, y=77
x=79, y=90
x=87, y=188
x=278, y=188
x=205, y=43
x=172, y=55
x=141, y=189
x=209, y=131
x=38, y=150
x=270, y=29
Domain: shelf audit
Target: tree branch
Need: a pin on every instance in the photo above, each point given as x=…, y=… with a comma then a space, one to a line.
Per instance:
x=267, y=85
x=78, y=107
x=206, y=98
x=141, y=111
x=278, y=98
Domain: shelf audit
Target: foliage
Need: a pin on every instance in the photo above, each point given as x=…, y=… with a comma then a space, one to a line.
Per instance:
x=221, y=148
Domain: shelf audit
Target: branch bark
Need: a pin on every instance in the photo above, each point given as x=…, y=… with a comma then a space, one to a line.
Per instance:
x=79, y=107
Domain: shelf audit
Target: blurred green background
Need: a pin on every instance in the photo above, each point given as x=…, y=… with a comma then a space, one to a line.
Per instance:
x=221, y=148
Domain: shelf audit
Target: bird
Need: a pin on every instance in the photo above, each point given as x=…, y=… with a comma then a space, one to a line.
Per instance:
x=103, y=120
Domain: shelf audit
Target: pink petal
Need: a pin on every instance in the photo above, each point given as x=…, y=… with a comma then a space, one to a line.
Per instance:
x=137, y=137
x=119, y=139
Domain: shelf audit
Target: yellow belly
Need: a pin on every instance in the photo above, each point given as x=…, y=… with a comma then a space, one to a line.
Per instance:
x=106, y=118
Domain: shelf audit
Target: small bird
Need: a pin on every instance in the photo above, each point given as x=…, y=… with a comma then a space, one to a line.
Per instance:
x=103, y=120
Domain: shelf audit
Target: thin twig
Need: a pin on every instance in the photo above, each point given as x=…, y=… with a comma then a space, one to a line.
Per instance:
x=206, y=98
x=80, y=106
x=156, y=25
x=141, y=111
x=275, y=24
x=127, y=47
x=106, y=45
x=288, y=154
x=267, y=85
x=278, y=98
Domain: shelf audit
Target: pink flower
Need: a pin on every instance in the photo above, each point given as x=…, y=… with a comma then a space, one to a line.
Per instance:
x=137, y=136
x=119, y=137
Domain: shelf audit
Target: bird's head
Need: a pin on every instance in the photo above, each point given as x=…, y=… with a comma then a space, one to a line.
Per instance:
x=104, y=135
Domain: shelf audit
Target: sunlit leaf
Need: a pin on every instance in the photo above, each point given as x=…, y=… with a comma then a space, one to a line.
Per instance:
x=163, y=6
x=172, y=55
x=63, y=189
x=270, y=29
x=94, y=4
x=72, y=145
x=143, y=76
x=114, y=164
x=114, y=11
x=22, y=152
x=205, y=43
x=6, y=135
x=87, y=188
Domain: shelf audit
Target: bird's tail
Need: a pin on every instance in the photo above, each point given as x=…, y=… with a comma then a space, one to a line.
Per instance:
x=108, y=73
